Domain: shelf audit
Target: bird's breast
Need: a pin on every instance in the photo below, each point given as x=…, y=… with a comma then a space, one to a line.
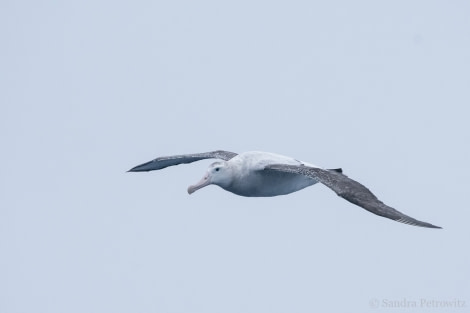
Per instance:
x=268, y=184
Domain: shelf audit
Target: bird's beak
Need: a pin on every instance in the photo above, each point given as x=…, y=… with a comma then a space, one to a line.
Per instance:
x=205, y=181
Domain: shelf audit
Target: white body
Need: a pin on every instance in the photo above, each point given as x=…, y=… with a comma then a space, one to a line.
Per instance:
x=246, y=175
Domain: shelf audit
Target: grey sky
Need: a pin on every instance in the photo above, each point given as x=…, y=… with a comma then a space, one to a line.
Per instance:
x=89, y=89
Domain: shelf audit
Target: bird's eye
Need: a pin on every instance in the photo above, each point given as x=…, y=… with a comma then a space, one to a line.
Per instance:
x=217, y=169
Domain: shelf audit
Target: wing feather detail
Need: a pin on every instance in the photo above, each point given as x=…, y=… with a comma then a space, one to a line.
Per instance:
x=351, y=191
x=166, y=161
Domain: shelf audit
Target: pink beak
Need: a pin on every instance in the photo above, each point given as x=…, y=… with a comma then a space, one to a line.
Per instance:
x=205, y=181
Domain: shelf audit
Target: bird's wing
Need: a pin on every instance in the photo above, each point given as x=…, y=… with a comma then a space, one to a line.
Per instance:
x=350, y=190
x=162, y=162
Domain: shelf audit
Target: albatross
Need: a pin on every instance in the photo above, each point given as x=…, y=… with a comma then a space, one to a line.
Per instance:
x=264, y=174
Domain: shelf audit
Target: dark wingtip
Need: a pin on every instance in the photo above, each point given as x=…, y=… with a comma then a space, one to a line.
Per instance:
x=137, y=170
x=427, y=225
x=414, y=222
x=142, y=167
x=339, y=170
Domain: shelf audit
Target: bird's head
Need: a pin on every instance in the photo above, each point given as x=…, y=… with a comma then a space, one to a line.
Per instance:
x=218, y=173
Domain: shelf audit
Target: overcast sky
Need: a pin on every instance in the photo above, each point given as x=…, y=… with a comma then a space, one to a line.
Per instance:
x=89, y=89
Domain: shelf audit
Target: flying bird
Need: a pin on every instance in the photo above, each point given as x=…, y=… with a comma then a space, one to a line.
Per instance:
x=264, y=174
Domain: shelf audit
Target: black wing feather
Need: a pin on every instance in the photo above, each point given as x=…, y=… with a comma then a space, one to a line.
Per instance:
x=351, y=191
x=162, y=162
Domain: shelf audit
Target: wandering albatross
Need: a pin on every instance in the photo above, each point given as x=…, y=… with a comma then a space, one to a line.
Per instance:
x=263, y=174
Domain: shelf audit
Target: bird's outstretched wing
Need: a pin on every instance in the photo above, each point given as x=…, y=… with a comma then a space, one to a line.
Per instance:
x=162, y=162
x=350, y=190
